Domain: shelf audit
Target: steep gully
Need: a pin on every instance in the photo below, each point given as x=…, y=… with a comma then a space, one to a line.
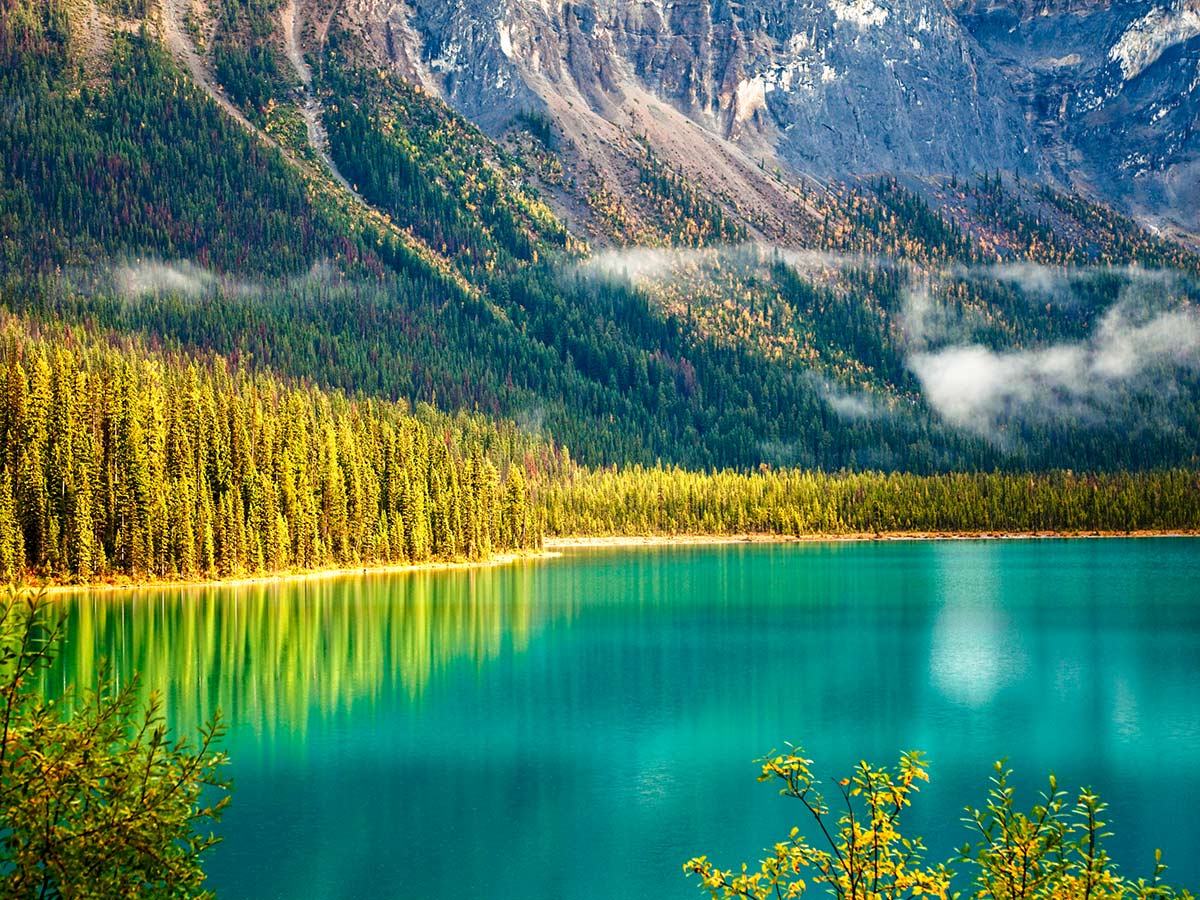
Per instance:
x=181, y=46
x=310, y=107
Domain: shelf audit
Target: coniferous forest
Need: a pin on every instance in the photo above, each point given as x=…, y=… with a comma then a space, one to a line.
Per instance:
x=214, y=353
x=792, y=502
x=119, y=461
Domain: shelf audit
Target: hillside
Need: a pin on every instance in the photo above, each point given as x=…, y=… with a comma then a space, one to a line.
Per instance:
x=193, y=179
x=1095, y=97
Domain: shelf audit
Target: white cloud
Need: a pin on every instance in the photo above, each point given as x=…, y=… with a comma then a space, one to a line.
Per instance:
x=650, y=265
x=978, y=388
x=134, y=280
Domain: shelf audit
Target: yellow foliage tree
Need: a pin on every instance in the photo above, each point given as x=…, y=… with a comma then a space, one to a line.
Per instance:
x=1053, y=853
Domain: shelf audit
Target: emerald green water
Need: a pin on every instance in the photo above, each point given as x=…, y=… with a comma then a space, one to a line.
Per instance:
x=577, y=728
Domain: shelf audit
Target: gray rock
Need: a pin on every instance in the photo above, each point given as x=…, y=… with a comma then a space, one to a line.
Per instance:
x=1113, y=90
x=1099, y=95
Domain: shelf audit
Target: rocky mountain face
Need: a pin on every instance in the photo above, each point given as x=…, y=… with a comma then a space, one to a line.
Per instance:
x=1113, y=92
x=1103, y=97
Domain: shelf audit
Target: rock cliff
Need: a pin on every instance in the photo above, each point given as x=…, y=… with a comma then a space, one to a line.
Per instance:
x=1113, y=90
x=1103, y=97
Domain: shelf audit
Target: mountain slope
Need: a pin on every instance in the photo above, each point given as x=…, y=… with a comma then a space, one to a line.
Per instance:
x=131, y=203
x=1113, y=90
x=1094, y=96
x=798, y=79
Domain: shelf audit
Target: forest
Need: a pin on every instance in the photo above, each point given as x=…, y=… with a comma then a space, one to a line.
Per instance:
x=147, y=242
x=122, y=462
x=793, y=502
x=117, y=461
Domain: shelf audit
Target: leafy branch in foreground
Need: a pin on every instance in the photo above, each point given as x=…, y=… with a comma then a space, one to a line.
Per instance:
x=96, y=800
x=867, y=856
x=1052, y=853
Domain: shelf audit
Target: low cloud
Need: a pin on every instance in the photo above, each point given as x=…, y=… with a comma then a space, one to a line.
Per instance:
x=850, y=406
x=818, y=262
x=642, y=264
x=980, y=389
x=1061, y=282
x=920, y=317
x=531, y=420
x=854, y=406
x=137, y=279
x=1032, y=278
x=647, y=265
x=1148, y=338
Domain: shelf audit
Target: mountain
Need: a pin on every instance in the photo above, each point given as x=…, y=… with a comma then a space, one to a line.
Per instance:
x=246, y=178
x=1113, y=93
x=833, y=88
x=1095, y=97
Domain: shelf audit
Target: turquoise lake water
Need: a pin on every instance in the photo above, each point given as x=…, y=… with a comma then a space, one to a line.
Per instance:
x=579, y=727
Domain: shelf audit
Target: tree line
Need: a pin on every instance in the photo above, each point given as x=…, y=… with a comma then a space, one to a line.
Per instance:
x=665, y=501
x=115, y=461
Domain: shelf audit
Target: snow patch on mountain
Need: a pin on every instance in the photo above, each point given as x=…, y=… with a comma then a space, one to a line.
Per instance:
x=1146, y=39
x=863, y=13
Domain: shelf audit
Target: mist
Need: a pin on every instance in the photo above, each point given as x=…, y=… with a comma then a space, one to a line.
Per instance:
x=133, y=280
x=1131, y=349
x=650, y=265
x=1146, y=341
x=136, y=279
x=850, y=405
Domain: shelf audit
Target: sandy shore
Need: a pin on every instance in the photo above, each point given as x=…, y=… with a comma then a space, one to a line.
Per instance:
x=660, y=540
x=502, y=559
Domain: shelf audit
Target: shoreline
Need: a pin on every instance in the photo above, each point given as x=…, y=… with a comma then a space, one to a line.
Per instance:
x=553, y=548
x=662, y=540
x=441, y=565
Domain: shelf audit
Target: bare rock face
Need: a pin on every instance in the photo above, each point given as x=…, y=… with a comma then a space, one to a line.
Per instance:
x=832, y=87
x=1102, y=95
x=860, y=86
x=1113, y=90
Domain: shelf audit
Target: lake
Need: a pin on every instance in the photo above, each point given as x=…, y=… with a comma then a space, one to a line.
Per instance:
x=579, y=727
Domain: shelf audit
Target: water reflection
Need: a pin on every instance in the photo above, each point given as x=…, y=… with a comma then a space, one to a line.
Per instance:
x=272, y=655
x=464, y=733
x=975, y=650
